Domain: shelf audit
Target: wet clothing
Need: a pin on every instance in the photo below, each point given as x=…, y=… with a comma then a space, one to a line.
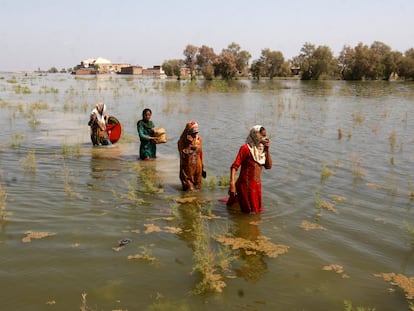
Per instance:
x=249, y=182
x=251, y=158
x=147, y=148
x=191, y=157
x=97, y=123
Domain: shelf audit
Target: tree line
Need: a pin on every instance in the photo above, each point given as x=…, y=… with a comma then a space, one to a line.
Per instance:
x=362, y=62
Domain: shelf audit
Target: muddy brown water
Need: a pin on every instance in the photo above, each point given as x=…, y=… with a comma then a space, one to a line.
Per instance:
x=342, y=205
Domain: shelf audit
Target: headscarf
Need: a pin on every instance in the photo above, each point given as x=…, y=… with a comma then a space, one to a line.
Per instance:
x=191, y=128
x=256, y=148
x=101, y=108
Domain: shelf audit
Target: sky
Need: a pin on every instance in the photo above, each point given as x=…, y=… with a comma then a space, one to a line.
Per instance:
x=41, y=34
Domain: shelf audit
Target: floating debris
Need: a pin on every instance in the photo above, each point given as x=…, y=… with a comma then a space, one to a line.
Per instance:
x=328, y=206
x=144, y=255
x=36, y=235
x=168, y=229
x=306, y=225
x=185, y=200
x=152, y=228
x=124, y=242
x=260, y=245
x=121, y=245
x=337, y=269
x=400, y=280
x=375, y=186
x=172, y=230
x=338, y=198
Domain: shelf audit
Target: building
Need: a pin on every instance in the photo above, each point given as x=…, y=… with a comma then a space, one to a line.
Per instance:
x=155, y=71
x=131, y=70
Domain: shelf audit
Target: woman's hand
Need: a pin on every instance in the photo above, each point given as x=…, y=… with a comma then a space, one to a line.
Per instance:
x=232, y=190
x=266, y=143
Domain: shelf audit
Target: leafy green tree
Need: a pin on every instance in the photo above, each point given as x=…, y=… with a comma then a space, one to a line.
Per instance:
x=315, y=62
x=346, y=62
x=306, y=61
x=392, y=64
x=257, y=69
x=407, y=65
x=190, y=53
x=172, y=67
x=364, y=68
x=379, y=52
x=323, y=62
x=273, y=63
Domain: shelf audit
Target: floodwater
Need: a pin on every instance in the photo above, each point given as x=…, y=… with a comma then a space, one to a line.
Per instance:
x=338, y=200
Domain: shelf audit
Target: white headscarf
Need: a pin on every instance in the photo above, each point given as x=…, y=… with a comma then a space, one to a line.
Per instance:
x=99, y=111
x=255, y=146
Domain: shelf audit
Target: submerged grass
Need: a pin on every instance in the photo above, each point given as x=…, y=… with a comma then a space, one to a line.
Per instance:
x=3, y=204
x=29, y=163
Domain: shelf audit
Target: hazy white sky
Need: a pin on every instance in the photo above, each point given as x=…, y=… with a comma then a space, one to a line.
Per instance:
x=61, y=33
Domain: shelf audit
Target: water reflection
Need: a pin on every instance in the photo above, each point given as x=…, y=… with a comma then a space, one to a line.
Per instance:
x=105, y=162
x=148, y=180
x=253, y=266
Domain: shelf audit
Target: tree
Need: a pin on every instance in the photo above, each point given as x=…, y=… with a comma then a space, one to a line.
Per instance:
x=392, y=64
x=306, y=62
x=273, y=63
x=172, y=67
x=346, y=61
x=205, y=61
x=323, y=62
x=225, y=66
x=257, y=69
x=315, y=62
x=190, y=53
x=407, y=65
x=53, y=70
x=241, y=57
x=363, y=66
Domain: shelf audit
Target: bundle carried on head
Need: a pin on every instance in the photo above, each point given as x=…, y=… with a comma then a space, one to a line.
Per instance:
x=160, y=135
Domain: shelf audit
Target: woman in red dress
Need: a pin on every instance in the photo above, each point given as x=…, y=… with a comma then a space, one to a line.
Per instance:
x=252, y=157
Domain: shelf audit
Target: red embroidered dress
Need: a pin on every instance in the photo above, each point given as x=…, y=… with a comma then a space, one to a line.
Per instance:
x=249, y=182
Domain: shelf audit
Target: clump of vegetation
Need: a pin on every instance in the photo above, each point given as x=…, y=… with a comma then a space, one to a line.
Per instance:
x=47, y=90
x=403, y=282
x=17, y=139
x=306, y=225
x=144, y=255
x=261, y=245
x=358, y=171
x=18, y=89
x=393, y=140
x=326, y=172
x=205, y=262
x=29, y=163
x=3, y=203
x=358, y=117
x=339, y=133
x=349, y=307
x=67, y=180
x=36, y=235
x=74, y=150
x=410, y=230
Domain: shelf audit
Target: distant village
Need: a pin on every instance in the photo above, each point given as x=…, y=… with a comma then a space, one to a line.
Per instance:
x=104, y=66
